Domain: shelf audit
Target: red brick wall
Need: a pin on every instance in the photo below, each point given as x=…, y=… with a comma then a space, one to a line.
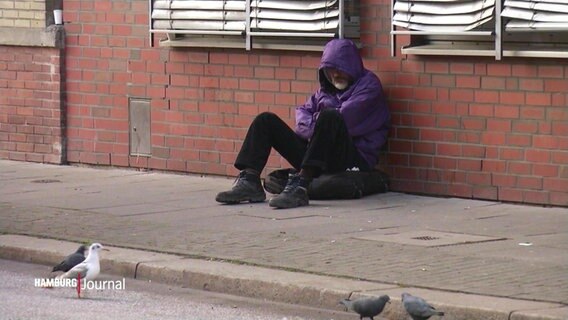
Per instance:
x=473, y=127
x=467, y=127
x=30, y=104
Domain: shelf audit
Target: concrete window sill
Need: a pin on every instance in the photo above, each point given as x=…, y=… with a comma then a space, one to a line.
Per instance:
x=50, y=37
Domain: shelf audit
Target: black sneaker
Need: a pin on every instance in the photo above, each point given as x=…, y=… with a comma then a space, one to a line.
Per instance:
x=295, y=194
x=247, y=188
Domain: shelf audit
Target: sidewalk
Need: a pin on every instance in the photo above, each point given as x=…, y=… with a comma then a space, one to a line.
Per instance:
x=500, y=261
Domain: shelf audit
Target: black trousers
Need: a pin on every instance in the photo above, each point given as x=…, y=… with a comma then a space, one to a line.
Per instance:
x=329, y=150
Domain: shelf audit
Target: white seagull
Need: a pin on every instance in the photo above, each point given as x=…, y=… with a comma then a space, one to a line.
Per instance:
x=87, y=270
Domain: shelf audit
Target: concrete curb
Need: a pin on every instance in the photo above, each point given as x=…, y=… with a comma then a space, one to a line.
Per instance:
x=276, y=285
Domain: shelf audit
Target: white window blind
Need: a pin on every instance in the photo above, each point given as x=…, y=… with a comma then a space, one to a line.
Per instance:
x=201, y=16
x=536, y=15
x=444, y=16
x=254, y=23
x=482, y=27
x=295, y=16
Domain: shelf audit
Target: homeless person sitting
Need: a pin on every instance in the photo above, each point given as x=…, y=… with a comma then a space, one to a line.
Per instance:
x=341, y=126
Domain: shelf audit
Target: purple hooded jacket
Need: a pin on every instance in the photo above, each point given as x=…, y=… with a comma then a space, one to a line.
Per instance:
x=362, y=104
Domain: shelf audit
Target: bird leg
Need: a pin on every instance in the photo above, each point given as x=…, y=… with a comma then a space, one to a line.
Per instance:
x=79, y=285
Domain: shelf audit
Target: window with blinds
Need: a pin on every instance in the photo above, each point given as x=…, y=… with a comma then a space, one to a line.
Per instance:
x=543, y=15
x=443, y=16
x=259, y=24
x=527, y=28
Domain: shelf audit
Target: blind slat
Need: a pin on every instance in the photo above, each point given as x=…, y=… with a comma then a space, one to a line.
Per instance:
x=292, y=5
x=447, y=19
x=294, y=15
x=442, y=28
x=439, y=8
x=198, y=25
x=197, y=15
x=294, y=26
x=538, y=6
x=200, y=4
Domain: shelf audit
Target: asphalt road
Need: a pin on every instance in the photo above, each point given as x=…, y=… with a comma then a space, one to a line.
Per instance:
x=20, y=299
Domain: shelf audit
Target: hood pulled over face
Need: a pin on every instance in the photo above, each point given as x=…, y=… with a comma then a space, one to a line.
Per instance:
x=340, y=65
x=340, y=80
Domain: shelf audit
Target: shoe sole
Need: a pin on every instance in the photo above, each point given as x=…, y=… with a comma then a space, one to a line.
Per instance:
x=287, y=205
x=237, y=201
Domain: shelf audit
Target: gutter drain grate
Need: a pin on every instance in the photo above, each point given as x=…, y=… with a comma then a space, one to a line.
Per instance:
x=46, y=181
x=427, y=238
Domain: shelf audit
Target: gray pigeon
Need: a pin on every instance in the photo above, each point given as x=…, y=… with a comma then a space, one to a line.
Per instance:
x=418, y=308
x=366, y=307
x=71, y=260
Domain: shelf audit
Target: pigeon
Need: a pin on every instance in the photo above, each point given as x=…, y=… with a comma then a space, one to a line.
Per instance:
x=418, y=308
x=87, y=270
x=71, y=260
x=366, y=307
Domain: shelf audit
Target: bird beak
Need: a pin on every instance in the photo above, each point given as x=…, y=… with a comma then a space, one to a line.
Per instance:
x=105, y=249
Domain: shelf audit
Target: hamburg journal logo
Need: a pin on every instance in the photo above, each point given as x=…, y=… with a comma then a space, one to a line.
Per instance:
x=88, y=285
